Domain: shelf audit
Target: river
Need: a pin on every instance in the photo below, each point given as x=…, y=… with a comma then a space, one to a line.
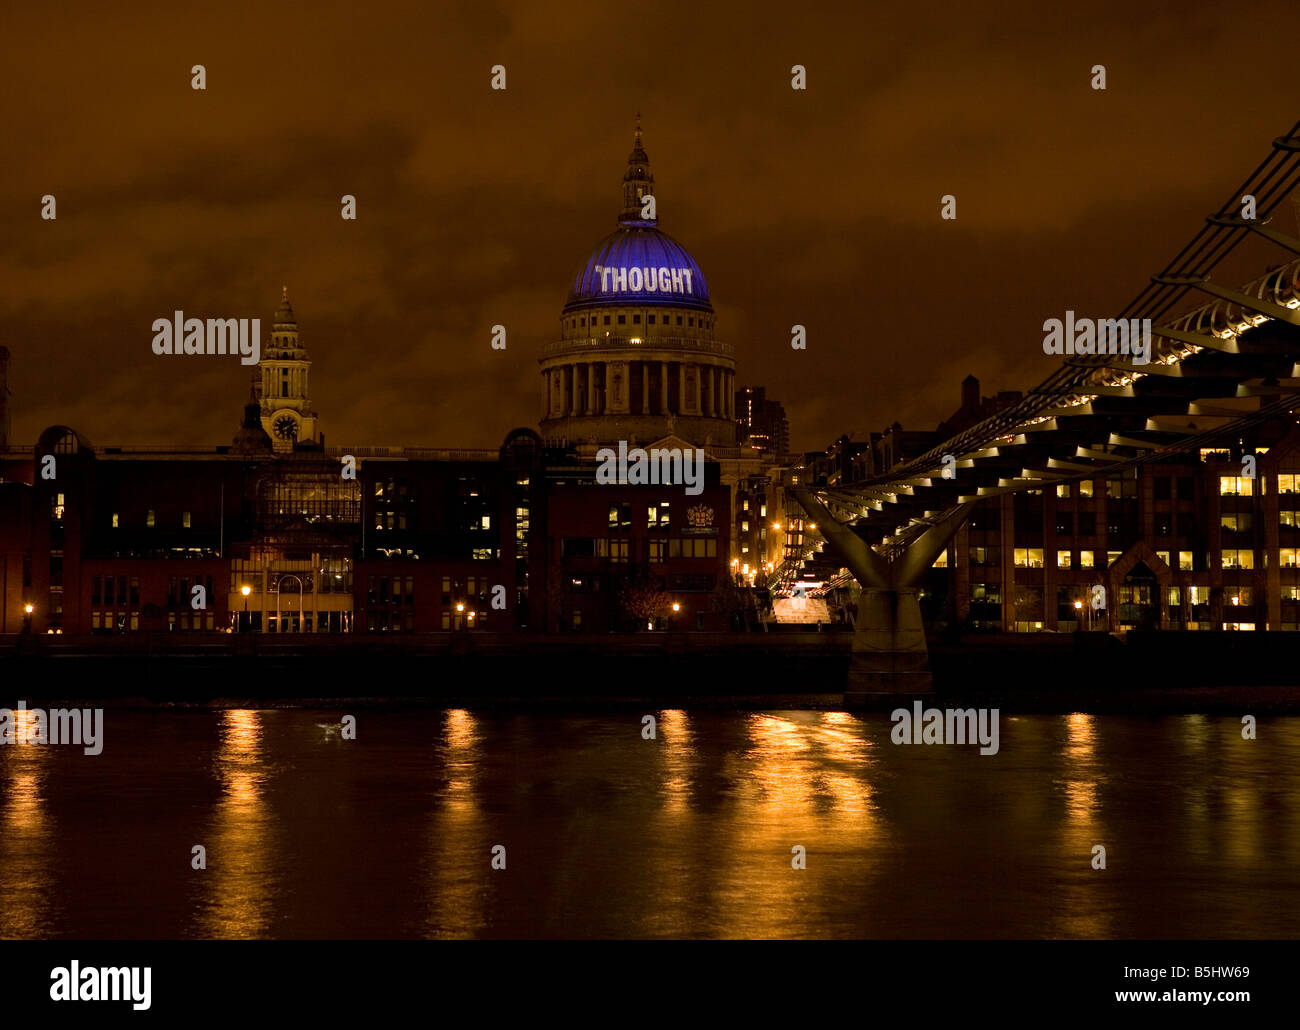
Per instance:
x=609, y=834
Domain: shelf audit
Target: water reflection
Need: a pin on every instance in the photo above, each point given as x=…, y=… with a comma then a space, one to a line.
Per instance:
x=236, y=899
x=1083, y=829
x=803, y=779
x=459, y=849
x=29, y=902
x=690, y=834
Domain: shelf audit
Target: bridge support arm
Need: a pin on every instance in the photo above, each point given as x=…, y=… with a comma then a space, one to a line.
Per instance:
x=921, y=552
x=859, y=558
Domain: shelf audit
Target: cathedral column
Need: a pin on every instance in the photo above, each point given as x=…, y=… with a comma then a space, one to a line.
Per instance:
x=681, y=388
x=663, y=388
x=591, y=388
x=645, y=388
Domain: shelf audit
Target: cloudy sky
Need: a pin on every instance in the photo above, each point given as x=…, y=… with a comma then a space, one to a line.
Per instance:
x=476, y=206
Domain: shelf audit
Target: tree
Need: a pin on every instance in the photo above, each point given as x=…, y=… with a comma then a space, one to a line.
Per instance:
x=644, y=600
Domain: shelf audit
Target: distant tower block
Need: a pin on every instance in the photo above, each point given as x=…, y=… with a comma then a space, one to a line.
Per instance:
x=4, y=397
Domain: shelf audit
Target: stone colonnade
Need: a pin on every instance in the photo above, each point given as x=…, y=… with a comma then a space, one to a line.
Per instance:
x=638, y=387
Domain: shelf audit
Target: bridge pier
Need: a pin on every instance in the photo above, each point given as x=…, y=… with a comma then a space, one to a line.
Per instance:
x=889, y=655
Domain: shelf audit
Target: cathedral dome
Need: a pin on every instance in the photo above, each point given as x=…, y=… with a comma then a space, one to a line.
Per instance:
x=639, y=264
x=637, y=359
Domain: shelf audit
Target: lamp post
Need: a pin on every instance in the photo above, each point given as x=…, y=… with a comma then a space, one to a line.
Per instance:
x=27, y=617
x=245, y=590
x=1078, y=608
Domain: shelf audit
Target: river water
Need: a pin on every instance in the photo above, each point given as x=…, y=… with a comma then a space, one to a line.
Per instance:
x=608, y=834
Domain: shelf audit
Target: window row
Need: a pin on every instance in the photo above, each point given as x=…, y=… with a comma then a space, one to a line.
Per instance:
x=581, y=323
x=619, y=549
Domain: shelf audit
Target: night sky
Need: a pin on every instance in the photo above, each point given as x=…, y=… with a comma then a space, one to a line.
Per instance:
x=476, y=207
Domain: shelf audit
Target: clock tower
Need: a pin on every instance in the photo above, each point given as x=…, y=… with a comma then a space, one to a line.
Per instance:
x=287, y=414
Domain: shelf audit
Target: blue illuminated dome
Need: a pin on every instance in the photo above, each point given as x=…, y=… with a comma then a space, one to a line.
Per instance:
x=637, y=359
x=638, y=263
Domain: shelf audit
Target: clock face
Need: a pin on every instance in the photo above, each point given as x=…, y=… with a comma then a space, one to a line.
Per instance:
x=286, y=427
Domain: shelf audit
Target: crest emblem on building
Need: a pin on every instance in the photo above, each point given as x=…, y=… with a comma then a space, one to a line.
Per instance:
x=700, y=516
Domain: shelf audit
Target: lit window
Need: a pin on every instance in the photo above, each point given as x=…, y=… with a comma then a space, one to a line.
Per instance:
x=1029, y=557
x=1237, y=559
x=1062, y=559
x=185, y=520
x=1085, y=488
x=1234, y=486
x=1087, y=559
x=1184, y=561
x=1112, y=557
x=1288, y=557
x=1062, y=489
x=115, y=520
x=149, y=518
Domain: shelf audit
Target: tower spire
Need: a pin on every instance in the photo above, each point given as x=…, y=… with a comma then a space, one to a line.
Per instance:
x=637, y=182
x=284, y=313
